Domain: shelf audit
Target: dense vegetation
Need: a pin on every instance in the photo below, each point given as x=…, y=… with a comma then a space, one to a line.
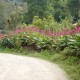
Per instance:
x=48, y=28
x=38, y=39
x=15, y=12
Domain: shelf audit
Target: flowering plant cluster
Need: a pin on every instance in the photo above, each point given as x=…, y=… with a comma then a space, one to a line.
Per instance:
x=42, y=39
x=49, y=33
x=1, y=36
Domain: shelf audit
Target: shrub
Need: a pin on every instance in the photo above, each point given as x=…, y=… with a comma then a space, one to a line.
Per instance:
x=33, y=39
x=69, y=52
x=7, y=42
x=45, y=23
x=39, y=41
x=37, y=21
x=44, y=42
x=21, y=39
x=61, y=43
x=78, y=23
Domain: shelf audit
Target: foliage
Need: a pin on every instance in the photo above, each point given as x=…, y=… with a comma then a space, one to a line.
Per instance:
x=2, y=17
x=59, y=9
x=51, y=29
x=12, y=14
x=74, y=8
x=78, y=22
x=7, y=42
x=43, y=43
x=71, y=64
x=37, y=21
x=16, y=18
x=41, y=8
x=54, y=25
x=67, y=22
x=45, y=23
x=40, y=42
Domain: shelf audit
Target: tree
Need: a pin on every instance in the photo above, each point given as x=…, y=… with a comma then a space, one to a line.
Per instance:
x=41, y=8
x=74, y=8
x=59, y=9
x=2, y=18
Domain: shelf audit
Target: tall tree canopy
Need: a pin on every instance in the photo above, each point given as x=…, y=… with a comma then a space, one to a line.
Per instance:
x=2, y=18
x=41, y=8
x=59, y=9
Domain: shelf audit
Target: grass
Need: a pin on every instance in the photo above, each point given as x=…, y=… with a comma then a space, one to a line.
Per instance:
x=70, y=64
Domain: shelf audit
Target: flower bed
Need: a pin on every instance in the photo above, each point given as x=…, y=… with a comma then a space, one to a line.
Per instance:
x=42, y=39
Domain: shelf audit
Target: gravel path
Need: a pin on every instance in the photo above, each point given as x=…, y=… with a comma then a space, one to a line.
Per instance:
x=13, y=67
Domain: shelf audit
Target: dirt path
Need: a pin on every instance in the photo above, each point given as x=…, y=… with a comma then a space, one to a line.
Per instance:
x=13, y=67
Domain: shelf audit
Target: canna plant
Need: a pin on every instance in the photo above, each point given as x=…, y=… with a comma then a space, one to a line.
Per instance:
x=8, y=42
x=33, y=39
x=37, y=38
x=44, y=42
x=62, y=42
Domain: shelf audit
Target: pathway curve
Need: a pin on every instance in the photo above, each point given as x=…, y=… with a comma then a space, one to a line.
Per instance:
x=13, y=67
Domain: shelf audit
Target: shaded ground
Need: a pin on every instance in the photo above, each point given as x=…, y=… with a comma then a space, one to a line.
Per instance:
x=13, y=67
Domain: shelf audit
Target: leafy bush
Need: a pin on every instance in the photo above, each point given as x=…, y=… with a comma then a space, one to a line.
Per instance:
x=33, y=39
x=71, y=52
x=21, y=39
x=78, y=23
x=45, y=23
x=37, y=21
x=67, y=22
x=61, y=43
x=7, y=42
x=44, y=43
x=68, y=44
